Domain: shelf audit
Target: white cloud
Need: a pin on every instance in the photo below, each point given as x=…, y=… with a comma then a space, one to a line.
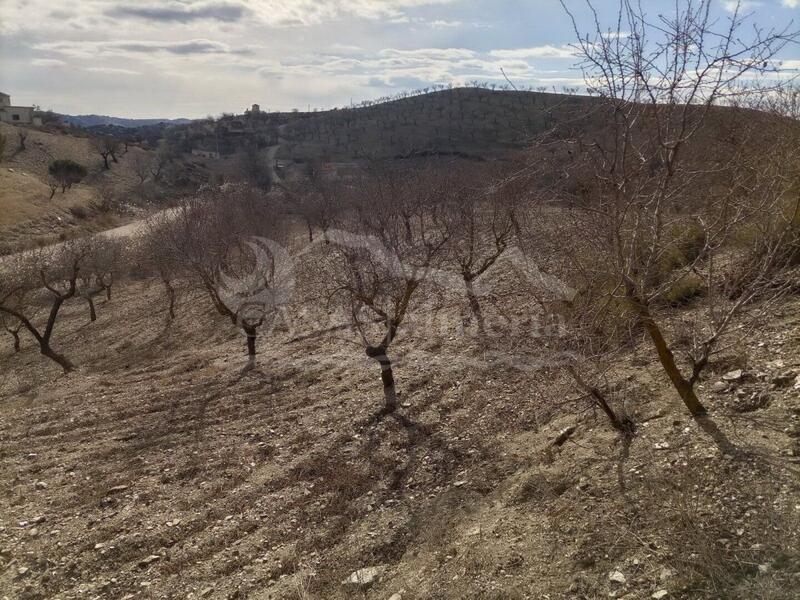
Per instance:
x=88, y=49
x=112, y=71
x=47, y=62
x=747, y=5
x=546, y=51
x=791, y=3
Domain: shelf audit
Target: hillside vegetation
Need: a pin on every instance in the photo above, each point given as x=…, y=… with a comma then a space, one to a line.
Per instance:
x=470, y=122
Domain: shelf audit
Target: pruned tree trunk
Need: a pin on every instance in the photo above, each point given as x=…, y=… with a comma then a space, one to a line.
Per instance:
x=684, y=388
x=92, y=311
x=475, y=307
x=251, y=334
x=62, y=360
x=600, y=400
x=15, y=335
x=171, y=296
x=378, y=353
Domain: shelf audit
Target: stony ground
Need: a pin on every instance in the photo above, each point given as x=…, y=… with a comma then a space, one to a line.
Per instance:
x=27, y=213
x=159, y=471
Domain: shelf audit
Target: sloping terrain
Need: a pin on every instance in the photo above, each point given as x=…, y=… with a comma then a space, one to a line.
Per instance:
x=467, y=122
x=159, y=471
x=28, y=214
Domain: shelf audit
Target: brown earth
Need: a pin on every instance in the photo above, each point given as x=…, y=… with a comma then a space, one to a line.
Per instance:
x=159, y=471
x=27, y=214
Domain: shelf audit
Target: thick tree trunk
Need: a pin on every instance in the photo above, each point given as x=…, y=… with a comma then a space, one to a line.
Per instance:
x=170, y=296
x=17, y=345
x=475, y=307
x=92, y=311
x=378, y=354
x=63, y=361
x=684, y=388
x=251, y=334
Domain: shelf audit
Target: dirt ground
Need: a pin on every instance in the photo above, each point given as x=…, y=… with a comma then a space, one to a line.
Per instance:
x=28, y=214
x=157, y=470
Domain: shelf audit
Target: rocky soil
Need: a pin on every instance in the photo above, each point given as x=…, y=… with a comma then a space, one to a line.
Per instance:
x=158, y=470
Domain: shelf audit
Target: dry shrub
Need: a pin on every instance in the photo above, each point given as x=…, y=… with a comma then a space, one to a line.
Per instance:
x=739, y=549
x=685, y=289
x=79, y=212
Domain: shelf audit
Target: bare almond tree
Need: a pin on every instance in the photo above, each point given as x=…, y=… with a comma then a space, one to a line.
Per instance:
x=43, y=278
x=393, y=238
x=661, y=195
x=224, y=243
x=480, y=221
x=315, y=199
x=107, y=147
x=99, y=270
x=12, y=325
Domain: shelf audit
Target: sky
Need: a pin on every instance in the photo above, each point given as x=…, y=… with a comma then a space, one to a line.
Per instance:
x=193, y=58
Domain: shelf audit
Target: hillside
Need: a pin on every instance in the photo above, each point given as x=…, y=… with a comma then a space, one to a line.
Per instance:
x=159, y=471
x=468, y=122
x=95, y=120
x=103, y=199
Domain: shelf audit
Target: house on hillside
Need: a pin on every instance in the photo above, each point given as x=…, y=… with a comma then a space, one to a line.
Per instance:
x=203, y=153
x=16, y=115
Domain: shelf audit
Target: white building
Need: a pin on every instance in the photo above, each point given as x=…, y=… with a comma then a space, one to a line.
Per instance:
x=16, y=115
x=200, y=152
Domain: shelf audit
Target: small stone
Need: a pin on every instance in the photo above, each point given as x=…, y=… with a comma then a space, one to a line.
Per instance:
x=617, y=577
x=733, y=375
x=564, y=435
x=33, y=532
x=459, y=483
x=149, y=560
x=365, y=577
x=397, y=596
x=41, y=485
x=206, y=592
x=660, y=594
x=22, y=571
x=763, y=569
x=719, y=387
x=116, y=489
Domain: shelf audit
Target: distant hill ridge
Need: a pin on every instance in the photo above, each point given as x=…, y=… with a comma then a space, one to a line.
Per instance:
x=100, y=120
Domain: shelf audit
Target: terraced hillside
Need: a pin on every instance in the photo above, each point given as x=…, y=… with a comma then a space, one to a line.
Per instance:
x=467, y=122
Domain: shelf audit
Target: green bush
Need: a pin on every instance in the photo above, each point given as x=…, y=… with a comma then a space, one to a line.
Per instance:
x=67, y=172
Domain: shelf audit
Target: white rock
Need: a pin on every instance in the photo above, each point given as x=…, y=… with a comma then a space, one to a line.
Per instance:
x=617, y=577
x=733, y=375
x=365, y=577
x=660, y=594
